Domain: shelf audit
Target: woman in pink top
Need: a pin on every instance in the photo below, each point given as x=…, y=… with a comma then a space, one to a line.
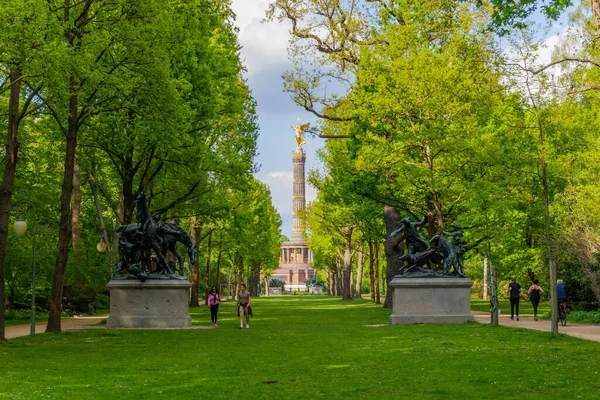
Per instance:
x=213, y=304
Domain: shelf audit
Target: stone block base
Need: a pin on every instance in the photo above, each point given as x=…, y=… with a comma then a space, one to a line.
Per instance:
x=436, y=300
x=153, y=304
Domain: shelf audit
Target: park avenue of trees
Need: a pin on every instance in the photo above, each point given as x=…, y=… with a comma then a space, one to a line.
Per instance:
x=424, y=112
x=103, y=99
x=431, y=116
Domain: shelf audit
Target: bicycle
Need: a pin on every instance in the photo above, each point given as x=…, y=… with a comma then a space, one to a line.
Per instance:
x=562, y=313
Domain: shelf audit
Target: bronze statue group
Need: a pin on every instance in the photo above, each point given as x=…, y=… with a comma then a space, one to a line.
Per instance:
x=143, y=247
x=439, y=252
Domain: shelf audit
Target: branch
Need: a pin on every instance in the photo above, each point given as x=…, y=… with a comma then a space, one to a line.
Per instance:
x=579, y=60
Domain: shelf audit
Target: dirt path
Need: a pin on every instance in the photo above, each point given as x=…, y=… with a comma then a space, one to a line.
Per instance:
x=66, y=324
x=582, y=331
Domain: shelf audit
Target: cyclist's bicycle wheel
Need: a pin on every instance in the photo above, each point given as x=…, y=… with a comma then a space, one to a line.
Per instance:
x=562, y=314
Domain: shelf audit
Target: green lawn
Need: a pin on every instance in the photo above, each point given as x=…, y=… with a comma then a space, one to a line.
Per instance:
x=301, y=347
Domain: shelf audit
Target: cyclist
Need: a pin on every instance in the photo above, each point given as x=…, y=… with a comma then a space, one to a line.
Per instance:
x=561, y=292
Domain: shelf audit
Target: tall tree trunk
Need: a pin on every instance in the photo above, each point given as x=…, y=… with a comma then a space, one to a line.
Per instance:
x=596, y=14
x=76, y=210
x=64, y=233
x=334, y=283
x=359, y=273
x=128, y=196
x=328, y=281
x=393, y=250
x=219, y=258
x=371, y=270
x=346, y=288
x=377, y=291
x=254, y=280
x=196, y=232
x=8, y=180
x=207, y=270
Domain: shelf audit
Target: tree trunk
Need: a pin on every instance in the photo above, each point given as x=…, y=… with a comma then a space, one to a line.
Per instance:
x=371, y=271
x=76, y=211
x=254, y=280
x=346, y=289
x=596, y=14
x=393, y=250
x=359, y=273
x=377, y=291
x=128, y=196
x=328, y=281
x=219, y=257
x=196, y=232
x=8, y=180
x=485, y=278
x=64, y=233
x=207, y=270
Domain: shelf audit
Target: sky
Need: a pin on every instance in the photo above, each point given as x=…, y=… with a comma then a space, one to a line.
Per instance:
x=264, y=53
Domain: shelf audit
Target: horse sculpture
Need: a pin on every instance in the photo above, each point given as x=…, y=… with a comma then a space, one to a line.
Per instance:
x=170, y=235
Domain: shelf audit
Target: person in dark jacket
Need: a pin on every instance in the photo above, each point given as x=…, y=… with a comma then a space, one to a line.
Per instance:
x=535, y=294
x=561, y=291
x=213, y=305
x=514, y=291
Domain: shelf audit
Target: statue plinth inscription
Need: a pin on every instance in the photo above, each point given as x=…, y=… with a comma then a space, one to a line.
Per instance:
x=437, y=300
x=153, y=304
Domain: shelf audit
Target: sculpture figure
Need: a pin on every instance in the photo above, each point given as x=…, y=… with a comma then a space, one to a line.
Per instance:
x=415, y=242
x=457, y=243
x=299, y=129
x=447, y=249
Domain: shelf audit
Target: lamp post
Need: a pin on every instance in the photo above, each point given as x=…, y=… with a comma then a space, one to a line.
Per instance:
x=20, y=228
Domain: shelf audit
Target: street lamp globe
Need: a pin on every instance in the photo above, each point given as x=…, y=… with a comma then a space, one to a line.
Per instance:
x=20, y=227
x=101, y=246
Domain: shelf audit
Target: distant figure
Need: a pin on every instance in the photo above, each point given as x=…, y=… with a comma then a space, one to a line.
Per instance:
x=69, y=307
x=213, y=305
x=243, y=305
x=514, y=291
x=299, y=129
x=535, y=294
x=561, y=291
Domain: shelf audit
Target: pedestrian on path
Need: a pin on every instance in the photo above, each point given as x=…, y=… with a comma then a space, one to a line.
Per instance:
x=535, y=294
x=213, y=305
x=243, y=305
x=514, y=291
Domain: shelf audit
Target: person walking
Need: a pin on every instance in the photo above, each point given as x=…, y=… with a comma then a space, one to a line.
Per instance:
x=514, y=291
x=535, y=294
x=213, y=305
x=242, y=305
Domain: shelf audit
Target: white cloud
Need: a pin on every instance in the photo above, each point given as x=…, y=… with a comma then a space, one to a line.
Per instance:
x=281, y=174
x=263, y=44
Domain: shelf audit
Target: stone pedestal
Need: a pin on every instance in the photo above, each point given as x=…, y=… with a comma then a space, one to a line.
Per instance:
x=437, y=300
x=275, y=291
x=153, y=304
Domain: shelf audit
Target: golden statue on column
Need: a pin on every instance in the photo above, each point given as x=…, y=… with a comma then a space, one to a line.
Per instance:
x=299, y=129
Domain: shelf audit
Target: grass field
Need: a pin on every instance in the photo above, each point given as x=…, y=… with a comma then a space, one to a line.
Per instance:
x=301, y=347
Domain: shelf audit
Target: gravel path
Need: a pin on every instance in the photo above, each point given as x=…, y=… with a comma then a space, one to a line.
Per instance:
x=582, y=331
x=66, y=324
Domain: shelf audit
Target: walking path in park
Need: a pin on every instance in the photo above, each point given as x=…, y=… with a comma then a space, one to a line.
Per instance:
x=66, y=324
x=582, y=331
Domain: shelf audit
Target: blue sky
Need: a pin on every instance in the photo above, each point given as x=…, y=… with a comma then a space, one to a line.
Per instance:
x=264, y=53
